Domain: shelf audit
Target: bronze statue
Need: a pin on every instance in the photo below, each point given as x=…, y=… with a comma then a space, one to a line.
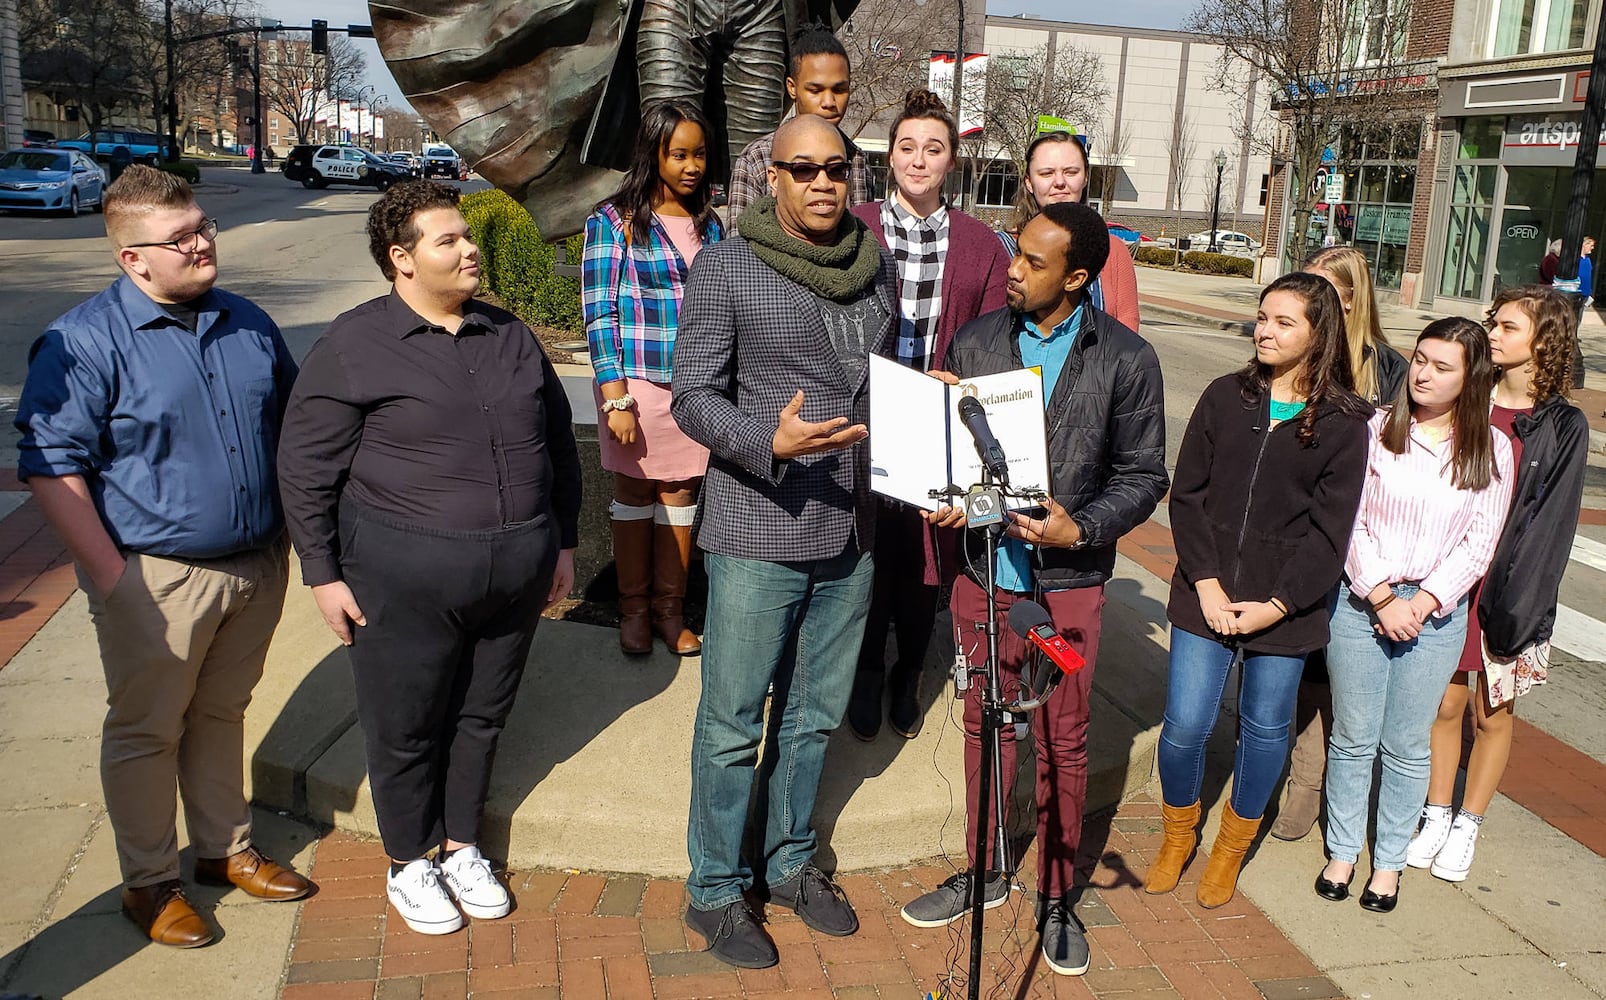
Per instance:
x=543, y=97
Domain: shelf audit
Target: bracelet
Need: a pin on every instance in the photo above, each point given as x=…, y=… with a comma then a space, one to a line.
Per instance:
x=1385, y=602
x=1279, y=605
x=624, y=402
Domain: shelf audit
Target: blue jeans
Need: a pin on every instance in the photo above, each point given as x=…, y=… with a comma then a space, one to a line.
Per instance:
x=1385, y=695
x=798, y=624
x=1198, y=674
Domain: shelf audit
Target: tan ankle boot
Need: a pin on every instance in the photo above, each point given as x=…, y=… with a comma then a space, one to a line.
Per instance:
x=671, y=560
x=1307, y=765
x=1181, y=837
x=1220, y=879
x=632, y=560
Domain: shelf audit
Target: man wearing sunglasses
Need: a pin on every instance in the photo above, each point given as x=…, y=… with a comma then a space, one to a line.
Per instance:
x=787, y=524
x=149, y=419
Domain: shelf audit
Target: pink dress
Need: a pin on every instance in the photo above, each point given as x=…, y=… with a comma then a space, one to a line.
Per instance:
x=662, y=450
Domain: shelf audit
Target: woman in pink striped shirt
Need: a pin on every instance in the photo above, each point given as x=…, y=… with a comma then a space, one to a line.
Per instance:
x=1438, y=483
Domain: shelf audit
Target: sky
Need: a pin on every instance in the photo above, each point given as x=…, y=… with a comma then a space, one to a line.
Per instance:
x=1131, y=13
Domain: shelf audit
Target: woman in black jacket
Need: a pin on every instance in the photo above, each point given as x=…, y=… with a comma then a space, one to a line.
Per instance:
x=1531, y=338
x=1262, y=504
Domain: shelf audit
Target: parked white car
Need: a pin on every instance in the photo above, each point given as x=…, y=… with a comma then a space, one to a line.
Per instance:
x=1228, y=241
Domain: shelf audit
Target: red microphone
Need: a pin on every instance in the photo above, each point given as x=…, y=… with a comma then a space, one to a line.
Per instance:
x=1028, y=620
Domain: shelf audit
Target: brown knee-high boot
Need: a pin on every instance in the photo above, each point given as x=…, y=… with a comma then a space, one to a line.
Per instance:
x=1307, y=764
x=632, y=561
x=671, y=559
x=1181, y=837
x=1220, y=879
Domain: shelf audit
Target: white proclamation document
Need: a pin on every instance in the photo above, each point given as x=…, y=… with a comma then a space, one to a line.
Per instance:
x=917, y=443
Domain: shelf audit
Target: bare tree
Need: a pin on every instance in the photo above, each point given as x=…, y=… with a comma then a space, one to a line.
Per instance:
x=1182, y=154
x=1332, y=66
x=295, y=79
x=66, y=54
x=199, y=64
x=1065, y=81
x=889, y=44
x=400, y=128
x=1111, y=144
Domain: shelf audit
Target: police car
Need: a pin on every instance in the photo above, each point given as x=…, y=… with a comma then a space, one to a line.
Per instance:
x=321, y=166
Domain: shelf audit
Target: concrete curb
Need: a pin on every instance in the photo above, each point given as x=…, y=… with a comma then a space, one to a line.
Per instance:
x=1243, y=328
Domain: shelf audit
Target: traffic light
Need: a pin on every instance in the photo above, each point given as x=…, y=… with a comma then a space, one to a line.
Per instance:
x=320, y=36
x=359, y=31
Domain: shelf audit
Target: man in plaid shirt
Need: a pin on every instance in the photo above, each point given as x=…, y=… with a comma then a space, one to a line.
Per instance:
x=818, y=81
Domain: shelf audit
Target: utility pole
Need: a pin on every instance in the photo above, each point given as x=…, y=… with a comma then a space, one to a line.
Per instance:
x=170, y=98
x=958, y=97
x=256, y=97
x=1584, y=165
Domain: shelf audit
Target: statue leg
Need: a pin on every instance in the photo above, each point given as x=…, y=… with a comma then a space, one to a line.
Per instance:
x=755, y=73
x=672, y=50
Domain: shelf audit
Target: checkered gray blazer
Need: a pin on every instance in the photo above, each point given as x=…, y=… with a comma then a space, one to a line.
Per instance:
x=749, y=339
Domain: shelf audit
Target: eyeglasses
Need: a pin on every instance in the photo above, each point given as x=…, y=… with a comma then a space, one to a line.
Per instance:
x=188, y=243
x=804, y=172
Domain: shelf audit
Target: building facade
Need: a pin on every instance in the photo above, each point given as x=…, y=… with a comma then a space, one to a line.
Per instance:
x=1510, y=104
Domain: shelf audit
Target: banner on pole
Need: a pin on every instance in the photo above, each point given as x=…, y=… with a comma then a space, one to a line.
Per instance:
x=973, y=88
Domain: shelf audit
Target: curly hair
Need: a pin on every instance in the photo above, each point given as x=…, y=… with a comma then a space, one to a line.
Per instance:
x=390, y=219
x=1555, y=332
x=1326, y=376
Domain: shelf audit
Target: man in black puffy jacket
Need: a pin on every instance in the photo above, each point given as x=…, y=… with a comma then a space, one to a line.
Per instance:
x=1106, y=447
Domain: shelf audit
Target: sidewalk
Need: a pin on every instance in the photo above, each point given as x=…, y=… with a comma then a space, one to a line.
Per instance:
x=1522, y=927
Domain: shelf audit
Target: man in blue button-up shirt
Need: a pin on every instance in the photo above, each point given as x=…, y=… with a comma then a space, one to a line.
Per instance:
x=149, y=423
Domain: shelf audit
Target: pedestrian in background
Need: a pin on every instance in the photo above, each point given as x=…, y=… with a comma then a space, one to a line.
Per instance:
x=1379, y=376
x=148, y=421
x=951, y=269
x=1057, y=170
x=1507, y=648
x=1267, y=483
x=432, y=487
x=639, y=247
x=1438, y=484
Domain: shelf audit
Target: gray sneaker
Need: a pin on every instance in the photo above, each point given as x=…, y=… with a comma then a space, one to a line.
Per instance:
x=951, y=900
x=1064, y=944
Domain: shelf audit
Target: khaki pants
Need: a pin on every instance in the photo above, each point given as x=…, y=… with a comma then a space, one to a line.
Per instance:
x=182, y=644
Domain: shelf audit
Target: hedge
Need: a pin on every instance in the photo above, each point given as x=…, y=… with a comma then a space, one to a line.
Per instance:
x=516, y=263
x=1159, y=256
x=1218, y=263
x=183, y=168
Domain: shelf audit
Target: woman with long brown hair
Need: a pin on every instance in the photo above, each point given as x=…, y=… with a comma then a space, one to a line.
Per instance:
x=1262, y=502
x=1507, y=649
x=1438, y=483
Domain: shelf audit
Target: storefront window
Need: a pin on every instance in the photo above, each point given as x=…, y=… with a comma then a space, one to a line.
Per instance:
x=995, y=186
x=1379, y=185
x=1481, y=138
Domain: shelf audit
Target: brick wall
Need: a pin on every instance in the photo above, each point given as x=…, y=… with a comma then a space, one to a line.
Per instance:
x=1429, y=36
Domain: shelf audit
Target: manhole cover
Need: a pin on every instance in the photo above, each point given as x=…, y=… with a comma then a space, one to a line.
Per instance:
x=572, y=345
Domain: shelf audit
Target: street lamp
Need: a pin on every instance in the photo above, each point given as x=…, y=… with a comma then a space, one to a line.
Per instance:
x=1215, y=205
x=369, y=89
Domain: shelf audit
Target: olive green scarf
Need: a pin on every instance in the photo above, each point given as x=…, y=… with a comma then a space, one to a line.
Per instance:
x=840, y=271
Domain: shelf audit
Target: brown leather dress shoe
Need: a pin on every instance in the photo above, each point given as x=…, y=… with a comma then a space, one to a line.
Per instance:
x=255, y=873
x=162, y=912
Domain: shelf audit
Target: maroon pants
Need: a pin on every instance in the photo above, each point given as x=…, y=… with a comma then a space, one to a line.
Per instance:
x=1059, y=727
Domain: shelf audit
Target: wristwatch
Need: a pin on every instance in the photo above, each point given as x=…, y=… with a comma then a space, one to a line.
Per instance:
x=624, y=402
x=1081, y=536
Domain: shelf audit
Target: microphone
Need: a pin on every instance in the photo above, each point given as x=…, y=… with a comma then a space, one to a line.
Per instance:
x=1028, y=620
x=974, y=417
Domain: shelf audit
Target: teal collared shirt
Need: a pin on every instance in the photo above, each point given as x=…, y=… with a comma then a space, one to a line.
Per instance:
x=1048, y=354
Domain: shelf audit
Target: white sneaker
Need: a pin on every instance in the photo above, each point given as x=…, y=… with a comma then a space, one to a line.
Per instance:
x=1455, y=859
x=419, y=898
x=469, y=879
x=1429, y=840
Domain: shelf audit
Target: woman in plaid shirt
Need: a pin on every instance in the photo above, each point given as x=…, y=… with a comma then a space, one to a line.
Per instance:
x=951, y=269
x=639, y=246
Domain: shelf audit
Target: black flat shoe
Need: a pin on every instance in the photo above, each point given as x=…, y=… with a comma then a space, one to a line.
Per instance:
x=1335, y=891
x=1379, y=904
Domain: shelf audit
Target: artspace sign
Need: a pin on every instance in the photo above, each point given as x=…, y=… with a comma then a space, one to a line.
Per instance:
x=1542, y=140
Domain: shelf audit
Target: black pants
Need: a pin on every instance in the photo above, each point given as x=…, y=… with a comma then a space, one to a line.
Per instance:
x=450, y=619
x=900, y=601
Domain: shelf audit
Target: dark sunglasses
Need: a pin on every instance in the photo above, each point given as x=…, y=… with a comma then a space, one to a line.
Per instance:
x=804, y=172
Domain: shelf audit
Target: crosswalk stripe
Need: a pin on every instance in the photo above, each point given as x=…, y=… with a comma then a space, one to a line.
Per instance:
x=1579, y=634
x=1589, y=552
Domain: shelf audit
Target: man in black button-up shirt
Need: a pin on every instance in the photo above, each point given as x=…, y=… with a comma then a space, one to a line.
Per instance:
x=432, y=489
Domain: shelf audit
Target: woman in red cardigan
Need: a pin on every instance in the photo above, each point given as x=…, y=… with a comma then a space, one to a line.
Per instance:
x=1057, y=170
x=925, y=236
